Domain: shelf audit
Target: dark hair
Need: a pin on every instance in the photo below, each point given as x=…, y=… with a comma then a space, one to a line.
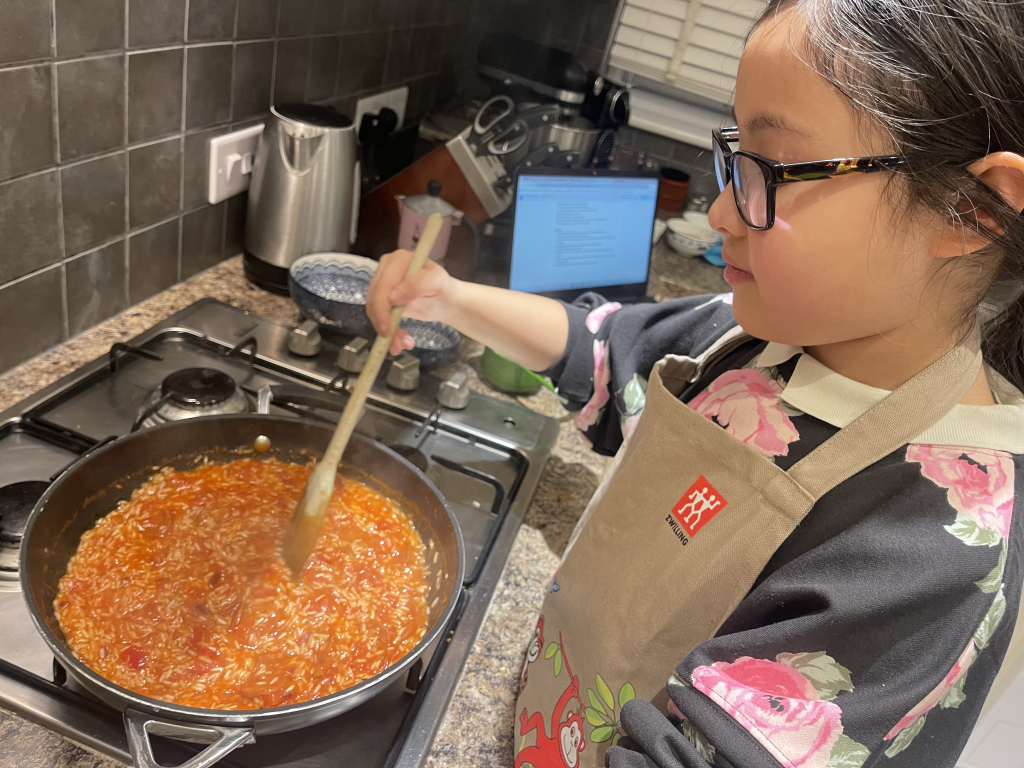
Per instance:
x=945, y=80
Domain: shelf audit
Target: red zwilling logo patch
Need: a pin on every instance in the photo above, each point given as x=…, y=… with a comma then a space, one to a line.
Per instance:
x=699, y=504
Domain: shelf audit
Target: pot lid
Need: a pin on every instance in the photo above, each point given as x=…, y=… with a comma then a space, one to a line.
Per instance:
x=431, y=202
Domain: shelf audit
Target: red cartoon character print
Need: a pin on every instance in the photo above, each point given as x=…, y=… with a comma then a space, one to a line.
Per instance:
x=561, y=749
x=533, y=653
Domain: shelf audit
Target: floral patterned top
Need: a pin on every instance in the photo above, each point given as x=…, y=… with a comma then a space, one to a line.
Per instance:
x=874, y=633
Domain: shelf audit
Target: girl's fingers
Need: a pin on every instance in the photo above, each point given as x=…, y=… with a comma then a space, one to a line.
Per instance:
x=392, y=269
x=422, y=285
x=402, y=341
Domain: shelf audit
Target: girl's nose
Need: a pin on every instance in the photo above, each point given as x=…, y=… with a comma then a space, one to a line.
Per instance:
x=723, y=216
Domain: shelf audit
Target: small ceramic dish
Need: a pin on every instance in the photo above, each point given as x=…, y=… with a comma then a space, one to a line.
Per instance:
x=690, y=238
x=331, y=289
x=435, y=342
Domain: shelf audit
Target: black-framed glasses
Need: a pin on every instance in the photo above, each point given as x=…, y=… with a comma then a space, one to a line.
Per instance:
x=755, y=177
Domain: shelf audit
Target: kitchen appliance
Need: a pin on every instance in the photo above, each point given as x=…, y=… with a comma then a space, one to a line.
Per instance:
x=577, y=135
x=526, y=70
x=93, y=486
x=589, y=108
x=414, y=211
x=305, y=191
x=484, y=455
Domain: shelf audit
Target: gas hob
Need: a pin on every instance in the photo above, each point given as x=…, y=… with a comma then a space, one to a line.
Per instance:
x=485, y=455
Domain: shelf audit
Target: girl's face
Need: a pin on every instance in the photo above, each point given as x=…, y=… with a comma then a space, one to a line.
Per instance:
x=842, y=261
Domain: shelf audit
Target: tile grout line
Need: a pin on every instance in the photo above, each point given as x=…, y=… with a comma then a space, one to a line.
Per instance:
x=234, y=55
x=55, y=116
x=184, y=124
x=127, y=162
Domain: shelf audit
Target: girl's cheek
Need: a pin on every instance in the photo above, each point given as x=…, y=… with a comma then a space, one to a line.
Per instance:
x=794, y=276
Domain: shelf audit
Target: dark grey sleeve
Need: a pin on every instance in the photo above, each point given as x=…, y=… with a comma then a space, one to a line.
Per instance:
x=612, y=349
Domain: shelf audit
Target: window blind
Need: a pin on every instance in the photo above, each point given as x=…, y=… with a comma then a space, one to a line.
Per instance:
x=692, y=45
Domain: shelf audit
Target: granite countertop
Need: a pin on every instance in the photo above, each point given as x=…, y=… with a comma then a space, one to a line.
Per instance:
x=490, y=679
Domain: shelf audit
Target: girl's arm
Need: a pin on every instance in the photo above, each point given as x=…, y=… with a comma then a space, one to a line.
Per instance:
x=530, y=330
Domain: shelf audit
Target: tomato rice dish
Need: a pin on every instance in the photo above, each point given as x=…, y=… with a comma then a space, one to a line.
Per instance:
x=181, y=593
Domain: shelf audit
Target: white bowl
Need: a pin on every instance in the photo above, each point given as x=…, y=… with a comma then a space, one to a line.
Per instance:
x=701, y=220
x=691, y=238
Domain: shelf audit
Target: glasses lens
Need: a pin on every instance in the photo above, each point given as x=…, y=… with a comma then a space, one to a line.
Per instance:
x=751, y=192
x=721, y=167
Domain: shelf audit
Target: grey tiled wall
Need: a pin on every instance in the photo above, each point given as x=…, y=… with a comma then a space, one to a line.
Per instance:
x=697, y=162
x=106, y=110
x=580, y=27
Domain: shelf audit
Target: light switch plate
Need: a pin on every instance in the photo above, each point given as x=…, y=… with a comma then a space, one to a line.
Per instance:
x=231, y=160
x=397, y=99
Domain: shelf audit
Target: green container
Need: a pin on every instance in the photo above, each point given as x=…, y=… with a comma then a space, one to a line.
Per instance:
x=501, y=373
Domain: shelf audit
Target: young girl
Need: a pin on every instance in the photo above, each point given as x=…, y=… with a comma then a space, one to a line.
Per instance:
x=787, y=564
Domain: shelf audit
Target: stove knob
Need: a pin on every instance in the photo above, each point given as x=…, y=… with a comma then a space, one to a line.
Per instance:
x=352, y=356
x=304, y=341
x=454, y=392
x=404, y=373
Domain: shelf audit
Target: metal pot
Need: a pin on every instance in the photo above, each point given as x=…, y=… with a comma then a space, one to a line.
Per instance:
x=92, y=487
x=578, y=136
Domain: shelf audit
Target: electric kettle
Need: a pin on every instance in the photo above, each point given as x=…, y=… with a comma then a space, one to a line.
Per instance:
x=304, y=195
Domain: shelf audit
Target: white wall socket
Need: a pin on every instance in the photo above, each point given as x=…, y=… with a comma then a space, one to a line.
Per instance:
x=396, y=99
x=231, y=160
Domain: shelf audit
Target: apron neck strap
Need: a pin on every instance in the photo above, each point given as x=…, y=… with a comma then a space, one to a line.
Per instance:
x=894, y=421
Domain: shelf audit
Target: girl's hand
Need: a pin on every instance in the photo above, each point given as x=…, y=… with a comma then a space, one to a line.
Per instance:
x=426, y=295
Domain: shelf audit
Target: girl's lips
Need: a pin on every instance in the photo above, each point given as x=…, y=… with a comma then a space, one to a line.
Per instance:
x=734, y=275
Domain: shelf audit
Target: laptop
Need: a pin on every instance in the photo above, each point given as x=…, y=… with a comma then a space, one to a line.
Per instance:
x=582, y=230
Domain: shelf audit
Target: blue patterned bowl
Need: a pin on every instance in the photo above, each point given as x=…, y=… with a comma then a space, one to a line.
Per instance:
x=331, y=288
x=435, y=342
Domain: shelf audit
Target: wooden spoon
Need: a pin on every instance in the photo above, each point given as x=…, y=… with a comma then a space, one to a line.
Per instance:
x=304, y=528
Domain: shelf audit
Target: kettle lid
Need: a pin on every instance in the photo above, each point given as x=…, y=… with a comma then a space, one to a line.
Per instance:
x=312, y=114
x=431, y=202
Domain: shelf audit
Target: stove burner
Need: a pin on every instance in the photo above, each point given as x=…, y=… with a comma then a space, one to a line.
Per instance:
x=192, y=392
x=16, y=503
x=198, y=387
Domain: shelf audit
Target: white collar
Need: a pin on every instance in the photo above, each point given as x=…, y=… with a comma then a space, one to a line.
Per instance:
x=837, y=400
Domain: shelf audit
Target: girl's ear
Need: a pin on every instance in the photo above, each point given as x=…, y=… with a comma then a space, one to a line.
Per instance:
x=1003, y=173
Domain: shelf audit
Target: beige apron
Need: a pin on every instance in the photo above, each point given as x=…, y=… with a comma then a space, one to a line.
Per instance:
x=685, y=521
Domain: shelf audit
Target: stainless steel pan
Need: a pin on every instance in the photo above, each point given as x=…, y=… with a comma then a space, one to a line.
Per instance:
x=92, y=487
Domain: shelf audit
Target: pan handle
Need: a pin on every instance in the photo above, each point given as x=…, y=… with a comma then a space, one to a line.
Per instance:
x=221, y=740
x=297, y=394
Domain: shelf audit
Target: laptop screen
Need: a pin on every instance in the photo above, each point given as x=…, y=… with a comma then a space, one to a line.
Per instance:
x=576, y=232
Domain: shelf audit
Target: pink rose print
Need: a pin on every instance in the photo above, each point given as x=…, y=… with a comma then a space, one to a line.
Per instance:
x=629, y=425
x=928, y=702
x=978, y=483
x=674, y=710
x=597, y=316
x=777, y=705
x=591, y=412
x=747, y=405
